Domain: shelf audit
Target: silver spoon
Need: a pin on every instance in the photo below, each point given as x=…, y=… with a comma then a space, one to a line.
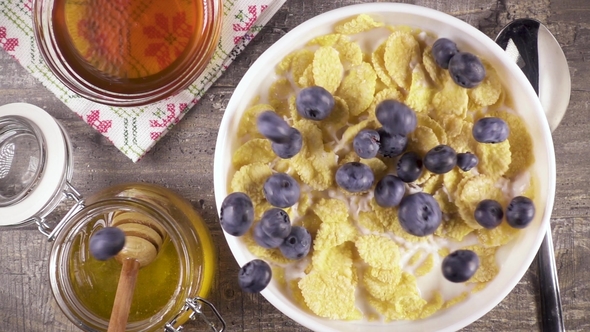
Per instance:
x=530, y=44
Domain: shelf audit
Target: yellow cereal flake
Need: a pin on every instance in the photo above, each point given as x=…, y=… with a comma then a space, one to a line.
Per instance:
x=426, y=121
x=451, y=100
x=420, y=95
x=331, y=210
x=433, y=305
x=521, y=143
x=488, y=91
x=454, y=228
x=488, y=268
x=401, y=48
x=358, y=24
x=350, y=52
x=370, y=221
x=312, y=163
x=330, y=297
x=260, y=208
x=425, y=267
x=378, y=251
x=479, y=287
x=337, y=119
x=424, y=176
x=335, y=261
x=452, y=126
x=497, y=236
x=377, y=166
x=379, y=66
x=358, y=88
x=327, y=68
x=464, y=142
x=350, y=157
x=247, y=125
x=458, y=299
x=405, y=303
x=270, y=255
x=380, y=96
x=416, y=257
x=312, y=223
x=296, y=292
x=531, y=190
x=443, y=252
x=433, y=184
x=431, y=67
x=389, y=276
x=278, y=274
x=325, y=40
x=333, y=234
x=494, y=159
x=421, y=140
x=249, y=179
x=283, y=166
x=451, y=181
x=380, y=290
x=278, y=95
x=473, y=190
x=443, y=200
x=306, y=79
x=255, y=150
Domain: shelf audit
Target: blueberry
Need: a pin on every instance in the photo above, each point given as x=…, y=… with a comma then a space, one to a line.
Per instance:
x=273, y=127
x=290, y=148
x=314, y=103
x=460, y=265
x=106, y=243
x=520, y=212
x=490, y=130
x=419, y=214
x=355, y=177
x=366, y=143
x=466, y=161
x=443, y=50
x=264, y=240
x=409, y=167
x=281, y=190
x=389, y=191
x=297, y=244
x=276, y=223
x=396, y=117
x=466, y=70
x=237, y=214
x=488, y=213
x=254, y=276
x=440, y=159
x=391, y=145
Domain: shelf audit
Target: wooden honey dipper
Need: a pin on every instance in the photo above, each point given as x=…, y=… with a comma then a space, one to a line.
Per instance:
x=143, y=240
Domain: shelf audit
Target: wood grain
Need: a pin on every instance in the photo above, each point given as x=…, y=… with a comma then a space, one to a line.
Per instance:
x=183, y=161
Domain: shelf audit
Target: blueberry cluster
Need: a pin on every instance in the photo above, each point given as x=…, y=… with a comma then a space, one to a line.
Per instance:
x=285, y=140
x=519, y=213
x=465, y=68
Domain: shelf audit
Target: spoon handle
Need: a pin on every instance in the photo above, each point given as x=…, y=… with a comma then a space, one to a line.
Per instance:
x=550, y=299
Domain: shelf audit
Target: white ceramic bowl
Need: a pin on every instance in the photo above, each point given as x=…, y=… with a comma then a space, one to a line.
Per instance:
x=521, y=251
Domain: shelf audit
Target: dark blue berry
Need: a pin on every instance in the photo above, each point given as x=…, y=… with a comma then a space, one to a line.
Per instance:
x=366, y=143
x=440, y=159
x=273, y=127
x=237, y=214
x=488, y=213
x=314, y=103
x=254, y=276
x=460, y=265
x=297, y=244
x=276, y=223
x=396, y=117
x=264, y=240
x=409, y=167
x=466, y=161
x=391, y=145
x=106, y=243
x=389, y=191
x=419, y=214
x=443, y=50
x=466, y=70
x=520, y=212
x=355, y=177
x=490, y=130
x=291, y=147
x=281, y=190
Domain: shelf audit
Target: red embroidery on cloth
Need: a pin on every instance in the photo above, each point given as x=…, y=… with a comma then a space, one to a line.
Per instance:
x=8, y=44
x=170, y=38
x=171, y=118
x=102, y=126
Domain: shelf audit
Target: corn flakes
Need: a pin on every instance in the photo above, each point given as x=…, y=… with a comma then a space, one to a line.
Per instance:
x=358, y=24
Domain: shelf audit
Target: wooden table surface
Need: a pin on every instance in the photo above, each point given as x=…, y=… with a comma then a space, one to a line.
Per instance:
x=183, y=161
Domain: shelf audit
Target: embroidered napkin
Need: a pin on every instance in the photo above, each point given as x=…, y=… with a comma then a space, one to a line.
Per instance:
x=134, y=130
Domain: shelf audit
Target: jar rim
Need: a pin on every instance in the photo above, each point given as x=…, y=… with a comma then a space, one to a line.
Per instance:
x=61, y=251
x=175, y=81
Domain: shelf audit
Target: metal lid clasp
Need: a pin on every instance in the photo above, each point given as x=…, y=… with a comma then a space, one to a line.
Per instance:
x=195, y=305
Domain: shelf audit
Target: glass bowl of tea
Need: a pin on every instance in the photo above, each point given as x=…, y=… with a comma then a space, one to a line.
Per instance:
x=127, y=52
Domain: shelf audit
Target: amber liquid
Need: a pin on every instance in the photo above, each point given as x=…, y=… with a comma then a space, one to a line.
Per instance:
x=128, y=46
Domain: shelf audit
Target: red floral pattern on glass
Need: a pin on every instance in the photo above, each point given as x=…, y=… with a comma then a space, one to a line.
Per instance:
x=168, y=38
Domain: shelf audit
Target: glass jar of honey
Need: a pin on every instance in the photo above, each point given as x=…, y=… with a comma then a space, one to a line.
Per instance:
x=35, y=174
x=127, y=52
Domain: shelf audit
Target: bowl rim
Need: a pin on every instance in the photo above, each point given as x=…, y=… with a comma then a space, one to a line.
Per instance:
x=398, y=8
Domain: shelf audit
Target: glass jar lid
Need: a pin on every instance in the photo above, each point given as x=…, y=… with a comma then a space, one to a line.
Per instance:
x=34, y=162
